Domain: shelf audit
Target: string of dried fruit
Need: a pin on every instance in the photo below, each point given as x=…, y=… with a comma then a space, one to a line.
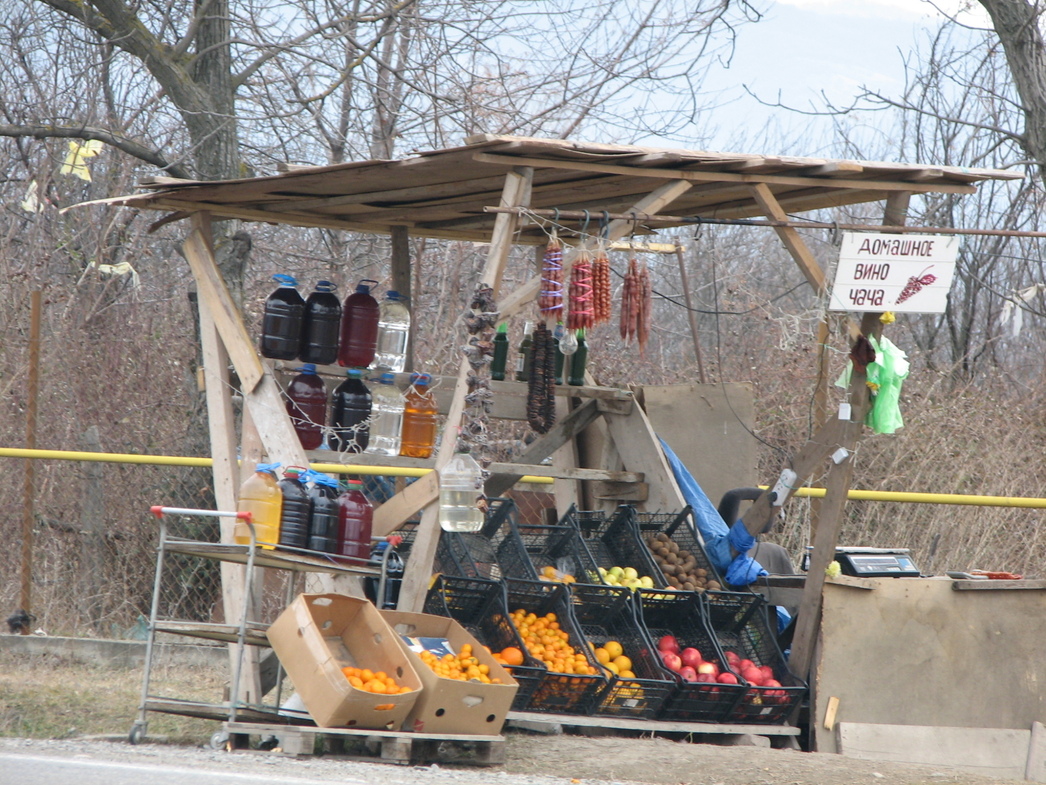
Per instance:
x=581, y=315
x=541, y=394
x=646, y=311
x=629, y=302
x=550, y=296
x=601, y=307
x=479, y=401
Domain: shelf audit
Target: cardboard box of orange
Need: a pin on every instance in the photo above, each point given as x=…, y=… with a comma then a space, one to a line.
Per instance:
x=319, y=634
x=448, y=705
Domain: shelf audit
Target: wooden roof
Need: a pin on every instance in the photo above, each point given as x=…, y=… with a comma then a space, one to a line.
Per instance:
x=443, y=193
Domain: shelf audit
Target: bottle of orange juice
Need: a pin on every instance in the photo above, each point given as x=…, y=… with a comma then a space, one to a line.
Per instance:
x=261, y=496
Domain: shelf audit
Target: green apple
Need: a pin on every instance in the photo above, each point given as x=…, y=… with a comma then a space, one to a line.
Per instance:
x=617, y=572
x=646, y=582
x=631, y=572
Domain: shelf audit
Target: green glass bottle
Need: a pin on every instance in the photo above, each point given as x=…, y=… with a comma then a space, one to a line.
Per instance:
x=577, y=361
x=497, y=364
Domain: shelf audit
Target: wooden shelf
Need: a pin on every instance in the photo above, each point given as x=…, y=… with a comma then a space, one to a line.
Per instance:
x=228, y=633
x=282, y=560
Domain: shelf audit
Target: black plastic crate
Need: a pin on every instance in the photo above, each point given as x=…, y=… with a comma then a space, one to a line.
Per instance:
x=608, y=613
x=679, y=527
x=479, y=606
x=614, y=541
x=474, y=555
x=682, y=615
x=559, y=692
x=526, y=552
x=741, y=624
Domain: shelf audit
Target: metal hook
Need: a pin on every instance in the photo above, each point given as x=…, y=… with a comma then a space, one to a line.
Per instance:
x=584, y=226
x=555, y=215
x=604, y=225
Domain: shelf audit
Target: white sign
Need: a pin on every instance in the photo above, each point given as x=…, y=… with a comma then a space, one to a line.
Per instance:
x=904, y=273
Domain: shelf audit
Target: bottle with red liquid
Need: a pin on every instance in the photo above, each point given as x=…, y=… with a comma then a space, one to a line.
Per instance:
x=359, y=327
x=282, y=321
x=307, y=406
x=321, y=325
x=355, y=521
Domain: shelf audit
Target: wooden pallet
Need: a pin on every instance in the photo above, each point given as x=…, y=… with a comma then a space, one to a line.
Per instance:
x=400, y=747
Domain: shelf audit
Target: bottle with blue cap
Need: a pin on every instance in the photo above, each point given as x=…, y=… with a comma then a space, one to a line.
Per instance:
x=282, y=320
x=323, y=520
x=387, y=419
x=295, y=509
x=351, y=405
x=321, y=325
x=420, y=414
x=393, y=332
x=307, y=406
x=260, y=495
x=359, y=327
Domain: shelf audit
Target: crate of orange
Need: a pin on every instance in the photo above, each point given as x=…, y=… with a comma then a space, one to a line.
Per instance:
x=466, y=689
x=640, y=685
x=480, y=607
x=542, y=614
x=344, y=662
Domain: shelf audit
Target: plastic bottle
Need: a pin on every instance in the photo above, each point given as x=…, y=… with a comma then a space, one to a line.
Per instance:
x=526, y=349
x=282, y=321
x=359, y=327
x=386, y=424
x=500, y=359
x=321, y=325
x=350, y=414
x=393, y=565
x=578, y=361
x=460, y=485
x=393, y=332
x=307, y=406
x=296, y=509
x=419, y=418
x=323, y=522
x=261, y=496
x=355, y=517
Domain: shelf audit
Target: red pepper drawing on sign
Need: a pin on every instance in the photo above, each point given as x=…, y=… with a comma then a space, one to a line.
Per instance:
x=915, y=285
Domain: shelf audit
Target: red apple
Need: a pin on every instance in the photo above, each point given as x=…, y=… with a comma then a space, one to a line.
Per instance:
x=671, y=661
x=688, y=673
x=708, y=667
x=668, y=643
x=731, y=656
x=768, y=672
x=771, y=683
x=690, y=656
x=706, y=678
x=744, y=665
x=753, y=676
x=726, y=677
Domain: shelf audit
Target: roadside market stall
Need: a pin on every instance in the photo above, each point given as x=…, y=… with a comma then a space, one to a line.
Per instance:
x=489, y=190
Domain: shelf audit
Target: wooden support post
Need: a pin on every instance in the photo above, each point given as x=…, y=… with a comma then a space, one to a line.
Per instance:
x=837, y=485
x=516, y=193
x=401, y=281
x=691, y=315
x=565, y=491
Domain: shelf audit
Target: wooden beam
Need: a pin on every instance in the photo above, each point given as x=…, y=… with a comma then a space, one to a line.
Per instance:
x=544, y=446
x=791, y=238
x=653, y=202
x=401, y=507
x=691, y=175
x=214, y=294
x=417, y=574
x=640, y=451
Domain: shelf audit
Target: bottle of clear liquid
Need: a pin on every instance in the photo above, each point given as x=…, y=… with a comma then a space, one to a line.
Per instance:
x=386, y=425
x=393, y=332
x=282, y=320
x=460, y=487
x=350, y=414
x=419, y=418
x=526, y=349
x=261, y=496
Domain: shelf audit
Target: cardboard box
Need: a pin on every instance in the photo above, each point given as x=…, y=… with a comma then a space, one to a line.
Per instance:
x=319, y=634
x=449, y=705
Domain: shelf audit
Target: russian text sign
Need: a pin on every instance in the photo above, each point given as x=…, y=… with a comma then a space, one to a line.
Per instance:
x=894, y=272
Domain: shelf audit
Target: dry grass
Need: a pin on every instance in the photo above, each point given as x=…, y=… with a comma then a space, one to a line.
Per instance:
x=47, y=696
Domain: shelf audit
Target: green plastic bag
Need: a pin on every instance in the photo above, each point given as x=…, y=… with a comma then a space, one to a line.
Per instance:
x=885, y=375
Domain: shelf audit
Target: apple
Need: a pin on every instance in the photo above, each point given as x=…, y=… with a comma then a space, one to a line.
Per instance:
x=753, y=676
x=668, y=643
x=726, y=677
x=768, y=672
x=690, y=656
x=688, y=673
x=731, y=657
x=671, y=661
x=706, y=678
x=744, y=665
x=771, y=683
x=708, y=667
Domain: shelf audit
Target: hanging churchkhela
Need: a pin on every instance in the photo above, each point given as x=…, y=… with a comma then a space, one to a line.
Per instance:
x=541, y=386
x=601, y=287
x=636, y=302
x=550, y=296
x=581, y=314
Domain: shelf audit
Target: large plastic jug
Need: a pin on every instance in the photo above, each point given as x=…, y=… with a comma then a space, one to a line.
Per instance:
x=393, y=332
x=282, y=321
x=355, y=521
x=323, y=522
x=260, y=495
x=359, y=327
x=460, y=487
x=386, y=423
x=321, y=326
x=350, y=414
x=296, y=509
x=385, y=555
x=419, y=418
x=307, y=406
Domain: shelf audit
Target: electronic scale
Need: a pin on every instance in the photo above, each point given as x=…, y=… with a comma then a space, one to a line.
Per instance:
x=873, y=562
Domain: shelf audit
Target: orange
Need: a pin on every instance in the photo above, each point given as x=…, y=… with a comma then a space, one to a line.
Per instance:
x=623, y=663
x=512, y=656
x=626, y=674
x=602, y=655
x=375, y=686
x=614, y=649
